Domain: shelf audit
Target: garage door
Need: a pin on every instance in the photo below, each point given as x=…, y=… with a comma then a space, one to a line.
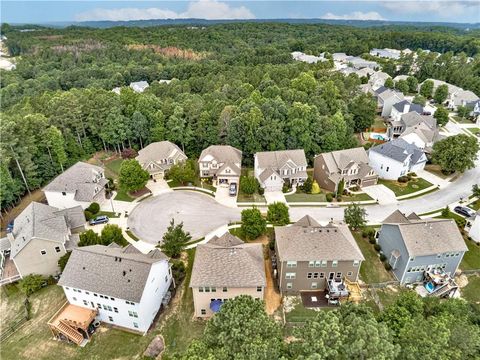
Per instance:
x=274, y=188
x=369, y=182
x=158, y=176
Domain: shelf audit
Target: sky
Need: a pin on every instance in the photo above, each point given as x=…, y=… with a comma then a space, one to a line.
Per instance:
x=38, y=12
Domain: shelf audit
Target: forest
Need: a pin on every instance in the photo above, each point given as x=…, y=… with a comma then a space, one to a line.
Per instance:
x=233, y=84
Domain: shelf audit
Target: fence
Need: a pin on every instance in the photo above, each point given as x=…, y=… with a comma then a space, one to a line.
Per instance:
x=17, y=323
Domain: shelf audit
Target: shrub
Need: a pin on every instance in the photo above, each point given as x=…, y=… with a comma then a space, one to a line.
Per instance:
x=88, y=215
x=383, y=257
x=129, y=153
x=377, y=247
x=368, y=232
x=402, y=179
x=339, y=198
x=446, y=212
x=387, y=266
x=261, y=191
x=329, y=197
x=94, y=208
x=248, y=185
x=371, y=240
x=271, y=243
x=316, y=188
x=285, y=188
x=461, y=222
x=31, y=284
x=178, y=270
x=308, y=185
x=413, y=174
x=62, y=262
x=365, y=233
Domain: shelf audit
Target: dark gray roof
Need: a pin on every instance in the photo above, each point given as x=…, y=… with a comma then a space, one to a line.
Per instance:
x=307, y=243
x=380, y=90
x=413, y=107
x=399, y=150
x=228, y=262
x=109, y=270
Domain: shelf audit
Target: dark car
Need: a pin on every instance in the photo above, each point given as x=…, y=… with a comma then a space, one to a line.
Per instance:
x=102, y=219
x=10, y=227
x=465, y=211
x=233, y=189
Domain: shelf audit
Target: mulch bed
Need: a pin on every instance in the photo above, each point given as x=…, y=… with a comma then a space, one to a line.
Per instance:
x=140, y=192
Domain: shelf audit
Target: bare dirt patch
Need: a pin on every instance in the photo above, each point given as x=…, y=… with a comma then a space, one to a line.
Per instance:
x=170, y=51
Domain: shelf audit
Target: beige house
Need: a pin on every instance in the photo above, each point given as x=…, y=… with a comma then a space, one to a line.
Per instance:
x=222, y=163
x=226, y=267
x=160, y=156
x=351, y=165
x=41, y=235
x=309, y=255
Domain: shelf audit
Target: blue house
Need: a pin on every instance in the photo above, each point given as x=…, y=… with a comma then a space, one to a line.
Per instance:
x=414, y=246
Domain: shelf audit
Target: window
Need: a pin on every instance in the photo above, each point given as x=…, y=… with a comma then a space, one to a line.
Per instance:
x=135, y=325
x=166, y=278
x=132, y=314
x=315, y=275
x=95, y=294
x=349, y=273
x=309, y=275
x=74, y=298
x=289, y=285
x=203, y=312
x=85, y=302
x=112, y=299
x=324, y=263
x=318, y=263
x=291, y=264
x=110, y=318
x=99, y=305
x=259, y=288
x=64, y=193
x=224, y=289
x=86, y=292
x=334, y=263
x=115, y=309
x=213, y=289
x=356, y=262
x=339, y=274
x=207, y=289
x=388, y=168
x=200, y=289
x=314, y=285
x=311, y=263
x=322, y=275
x=57, y=249
x=43, y=252
x=411, y=259
x=105, y=307
x=290, y=275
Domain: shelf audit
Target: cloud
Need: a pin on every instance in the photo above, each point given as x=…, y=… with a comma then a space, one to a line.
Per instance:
x=356, y=15
x=202, y=9
x=441, y=8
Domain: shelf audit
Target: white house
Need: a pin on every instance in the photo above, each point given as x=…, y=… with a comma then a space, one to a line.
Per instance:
x=81, y=184
x=123, y=285
x=396, y=158
x=378, y=79
x=309, y=59
x=386, y=98
x=222, y=163
x=272, y=168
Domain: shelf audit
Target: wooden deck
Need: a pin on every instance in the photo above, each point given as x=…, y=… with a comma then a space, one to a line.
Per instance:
x=72, y=322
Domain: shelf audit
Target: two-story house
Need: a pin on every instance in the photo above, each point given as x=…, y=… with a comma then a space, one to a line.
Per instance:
x=404, y=107
x=41, y=235
x=273, y=168
x=351, y=165
x=123, y=285
x=79, y=185
x=416, y=129
x=160, y=156
x=396, y=158
x=226, y=267
x=222, y=163
x=309, y=255
x=386, y=98
x=414, y=246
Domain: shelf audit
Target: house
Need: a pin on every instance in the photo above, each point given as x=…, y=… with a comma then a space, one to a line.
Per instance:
x=386, y=98
x=309, y=255
x=404, y=107
x=139, y=86
x=309, y=59
x=224, y=268
x=386, y=53
x=420, y=130
x=396, y=158
x=79, y=185
x=400, y=77
x=414, y=246
x=123, y=285
x=351, y=165
x=41, y=235
x=222, y=163
x=160, y=156
x=378, y=79
x=274, y=168
x=474, y=228
x=352, y=61
x=463, y=98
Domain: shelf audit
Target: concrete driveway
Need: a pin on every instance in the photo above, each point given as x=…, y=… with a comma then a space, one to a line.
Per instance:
x=381, y=193
x=200, y=214
x=222, y=195
x=274, y=196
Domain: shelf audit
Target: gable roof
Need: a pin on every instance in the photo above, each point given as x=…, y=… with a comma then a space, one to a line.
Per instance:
x=313, y=242
x=228, y=262
x=306, y=221
x=110, y=270
x=431, y=236
x=222, y=154
x=399, y=150
x=413, y=107
x=397, y=217
x=278, y=159
x=79, y=179
x=158, y=151
x=389, y=93
x=38, y=221
x=267, y=173
x=340, y=159
x=413, y=118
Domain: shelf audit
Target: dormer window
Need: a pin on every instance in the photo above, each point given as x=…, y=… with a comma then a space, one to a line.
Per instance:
x=64, y=193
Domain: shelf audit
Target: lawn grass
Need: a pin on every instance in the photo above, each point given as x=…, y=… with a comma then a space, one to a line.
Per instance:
x=474, y=131
x=122, y=195
x=436, y=170
x=132, y=235
x=379, y=123
x=471, y=259
x=475, y=205
x=462, y=120
x=302, y=197
x=372, y=269
x=242, y=197
x=110, y=214
x=471, y=292
x=414, y=185
x=299, y=313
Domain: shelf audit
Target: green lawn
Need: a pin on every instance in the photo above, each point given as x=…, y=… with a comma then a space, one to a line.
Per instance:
x=471, y=292
x=110, y=214
x=300, y=313
x=372, y=269
x=123, y=196
x=474, y=131
x=113, y=167
x=302, y=197
x=475, y=205
x=471, y=259
x=379, y=123
x=414, y=185
x=462, y=120
x=250, y=198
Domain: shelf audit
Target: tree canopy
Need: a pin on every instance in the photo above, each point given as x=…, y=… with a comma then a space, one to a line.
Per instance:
x=175, y=239
x=455, y=153
x=132, y=176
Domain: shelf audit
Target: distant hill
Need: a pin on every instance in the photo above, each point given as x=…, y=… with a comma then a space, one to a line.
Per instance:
x=202, y=22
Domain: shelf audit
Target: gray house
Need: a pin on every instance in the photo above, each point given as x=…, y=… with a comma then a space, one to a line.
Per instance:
x=414, y=246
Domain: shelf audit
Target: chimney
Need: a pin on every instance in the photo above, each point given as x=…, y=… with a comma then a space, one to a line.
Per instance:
x=406, y=108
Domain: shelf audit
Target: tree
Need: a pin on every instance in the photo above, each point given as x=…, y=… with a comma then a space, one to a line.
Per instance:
x=455, y=153
x=132, y=176
x=89, y=237
x=112, y=233
x=355, y=216
x=412, y=84
x=463, y=111
x=175, y=239
x=389, y=83
x=241, y=330
x=402, y=86
x=363, y=108
x=277, y=214
x=253, y=224
x=183, y=172
x=476, y=190
x=307, y=185
x=56, y=143
x=31, y=283
x=62, y=262
x=419, y=99
x=341, y=187
x=249, y=185
x=441, y=115
x=441, y=94
x=426, y=89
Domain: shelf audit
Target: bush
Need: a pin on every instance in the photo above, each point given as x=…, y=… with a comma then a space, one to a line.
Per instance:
x=31, y=284
x=285, y=188
x=307, y=185
x=371, y=240
x=387, y=266
x=329, y=197
x=339, y=198
x=377, y=247
x=368, y=232
x=62, y=262
x=129, y=153
x=178, y=270
x=413, y=174
x=403, y=179
x=383, y=257
x=248, y=185
x=446, y=212
x=316, y=188
x=461, y=222
x=261, y=191
x=94, y=208
x=88, y=215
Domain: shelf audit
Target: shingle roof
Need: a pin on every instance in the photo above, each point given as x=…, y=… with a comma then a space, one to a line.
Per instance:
x=158, y=151
x=338, y=160
x=267, y=173
x=397, y=217
x=222, y=154
x=413, y=118
x=307, y=220
x=306, y=243
x=74, y=216
x=398, y=150
x=277, y=159
x=116, y=272
x=431, y=236
x=229, y=263
x=413, y=107
x=79, y=179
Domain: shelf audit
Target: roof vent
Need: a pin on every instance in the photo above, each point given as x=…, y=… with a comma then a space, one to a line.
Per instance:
x=115, y=258
x=128, y=280
x=84, y=268
x=124, y=273
x=119, y=259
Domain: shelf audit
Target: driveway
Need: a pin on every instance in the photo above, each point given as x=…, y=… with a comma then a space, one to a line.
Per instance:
x=200, y=214
x=222, y=195
x=274, y=196
x=381, y=193
x=159, y=186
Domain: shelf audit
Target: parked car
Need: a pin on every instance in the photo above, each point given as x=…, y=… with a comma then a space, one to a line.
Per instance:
x=233, y=189
x=465, y=211
x=10, y=227
x=102, y=219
